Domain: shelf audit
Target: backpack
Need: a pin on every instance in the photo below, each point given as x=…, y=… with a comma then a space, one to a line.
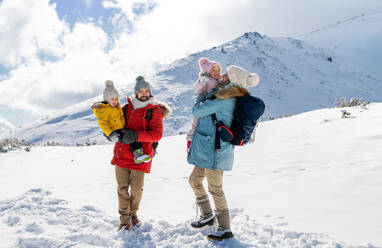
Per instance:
x=149, y=115
x=247, y=112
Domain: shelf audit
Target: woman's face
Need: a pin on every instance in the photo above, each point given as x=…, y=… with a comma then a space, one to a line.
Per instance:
x=225, y=78
x=215, y=72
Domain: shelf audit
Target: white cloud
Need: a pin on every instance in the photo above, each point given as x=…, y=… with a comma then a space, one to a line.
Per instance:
x=146, y=33
x=40, y=85
x=28, y=27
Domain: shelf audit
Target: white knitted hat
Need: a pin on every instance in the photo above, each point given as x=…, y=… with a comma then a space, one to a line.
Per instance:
x=241, y=77
x=110, y=91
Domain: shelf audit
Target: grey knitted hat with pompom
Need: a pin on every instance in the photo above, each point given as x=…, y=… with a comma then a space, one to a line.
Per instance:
x=110, y=91
x=141, y=84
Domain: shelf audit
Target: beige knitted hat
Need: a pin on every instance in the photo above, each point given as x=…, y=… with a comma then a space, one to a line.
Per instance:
x=241, y=77
x=110, y=91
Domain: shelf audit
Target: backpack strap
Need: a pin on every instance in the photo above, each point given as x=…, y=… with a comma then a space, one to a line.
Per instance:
x=217, y=133
x=125, y=109
x=149, y=115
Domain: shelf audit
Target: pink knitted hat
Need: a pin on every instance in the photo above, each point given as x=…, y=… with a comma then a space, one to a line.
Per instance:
x=205, y=64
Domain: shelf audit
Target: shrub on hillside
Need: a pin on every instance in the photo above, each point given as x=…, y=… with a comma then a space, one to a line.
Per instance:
x=353, y=102
x=8, y=144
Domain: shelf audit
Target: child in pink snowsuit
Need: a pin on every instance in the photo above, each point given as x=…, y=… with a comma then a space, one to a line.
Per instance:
x=208, y=79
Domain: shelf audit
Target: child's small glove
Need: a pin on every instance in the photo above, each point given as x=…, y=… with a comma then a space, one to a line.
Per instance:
x=188, y=145
x=113, y=137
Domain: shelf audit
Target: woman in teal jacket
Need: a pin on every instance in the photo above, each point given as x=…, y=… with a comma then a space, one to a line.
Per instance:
x=210, y=162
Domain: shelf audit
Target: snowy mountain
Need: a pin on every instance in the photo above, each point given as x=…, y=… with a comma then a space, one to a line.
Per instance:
x=5, y=126
x=294, y=77
x=310, y=180
x=358, y=38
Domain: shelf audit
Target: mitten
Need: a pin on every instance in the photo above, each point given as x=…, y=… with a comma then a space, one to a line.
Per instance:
x=129, y=136
x=188, y=145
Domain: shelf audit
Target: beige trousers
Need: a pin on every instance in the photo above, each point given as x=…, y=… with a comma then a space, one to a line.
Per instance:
x=128, y=202
x=215, y=188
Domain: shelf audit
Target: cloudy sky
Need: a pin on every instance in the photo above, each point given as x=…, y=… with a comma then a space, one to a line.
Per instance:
x=55, y=53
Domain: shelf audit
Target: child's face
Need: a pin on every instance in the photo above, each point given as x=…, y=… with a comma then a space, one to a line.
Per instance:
x=112, y=101
x=215, y=72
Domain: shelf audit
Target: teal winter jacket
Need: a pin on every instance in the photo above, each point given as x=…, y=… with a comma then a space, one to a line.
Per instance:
x=202, y=151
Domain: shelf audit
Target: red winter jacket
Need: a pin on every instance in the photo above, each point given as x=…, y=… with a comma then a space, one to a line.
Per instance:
x=147, y=134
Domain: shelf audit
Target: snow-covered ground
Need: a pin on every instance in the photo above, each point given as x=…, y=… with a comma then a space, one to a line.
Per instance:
x=311, y=180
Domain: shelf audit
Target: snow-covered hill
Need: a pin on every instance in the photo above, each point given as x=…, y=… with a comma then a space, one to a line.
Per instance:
x=310, y=180
x=5, y=126
x=295, y=77
x=358, y=38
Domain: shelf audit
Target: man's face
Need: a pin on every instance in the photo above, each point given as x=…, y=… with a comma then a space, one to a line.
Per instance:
x=143, y=94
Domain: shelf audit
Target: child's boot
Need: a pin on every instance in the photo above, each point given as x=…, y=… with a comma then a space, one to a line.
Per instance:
x=140, y=157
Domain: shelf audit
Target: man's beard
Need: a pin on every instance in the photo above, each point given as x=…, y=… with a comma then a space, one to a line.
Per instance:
x=143, y=98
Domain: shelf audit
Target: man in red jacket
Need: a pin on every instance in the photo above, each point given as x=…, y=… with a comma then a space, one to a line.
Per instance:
x=137, y=129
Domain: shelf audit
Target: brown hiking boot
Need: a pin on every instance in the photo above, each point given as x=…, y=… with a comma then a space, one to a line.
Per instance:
x=125, y=223
x=135, y=221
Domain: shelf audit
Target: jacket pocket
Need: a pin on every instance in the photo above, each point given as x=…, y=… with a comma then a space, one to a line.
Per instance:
x=202, y=150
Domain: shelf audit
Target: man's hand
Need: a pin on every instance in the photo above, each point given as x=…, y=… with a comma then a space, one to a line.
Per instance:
x=129, y=136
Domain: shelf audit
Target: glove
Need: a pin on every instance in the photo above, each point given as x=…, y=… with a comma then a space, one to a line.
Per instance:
x=113, y=137
x=188, y=145
x=129, y=136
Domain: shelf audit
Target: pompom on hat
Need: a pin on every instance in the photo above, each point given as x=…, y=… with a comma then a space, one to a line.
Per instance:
x=110, y=91
x=241, y=77
x=141, y=84
x=205, y=64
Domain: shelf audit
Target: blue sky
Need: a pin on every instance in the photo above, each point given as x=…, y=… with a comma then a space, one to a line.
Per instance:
x=66, y=49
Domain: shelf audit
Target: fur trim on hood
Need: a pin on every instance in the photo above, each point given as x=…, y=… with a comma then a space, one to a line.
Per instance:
x=231, y=92
x=166, y=110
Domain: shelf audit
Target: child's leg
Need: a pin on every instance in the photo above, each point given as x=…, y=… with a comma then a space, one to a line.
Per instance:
x=139, y=156
x=135, y=145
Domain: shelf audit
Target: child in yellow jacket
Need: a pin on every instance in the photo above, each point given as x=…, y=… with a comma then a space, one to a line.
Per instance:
x=111, y=120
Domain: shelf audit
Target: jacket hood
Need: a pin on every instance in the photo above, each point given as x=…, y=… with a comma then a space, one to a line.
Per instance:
x=137, y=104
x=231, y=92
x=166, y=110
x=98, y=105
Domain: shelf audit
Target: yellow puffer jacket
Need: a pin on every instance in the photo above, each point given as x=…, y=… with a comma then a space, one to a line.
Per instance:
x=109, y=118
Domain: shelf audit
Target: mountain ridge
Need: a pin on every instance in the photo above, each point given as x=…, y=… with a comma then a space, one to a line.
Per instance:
x=295, y=77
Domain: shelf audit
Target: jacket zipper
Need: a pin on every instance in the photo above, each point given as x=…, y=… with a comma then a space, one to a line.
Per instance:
x=119, y=150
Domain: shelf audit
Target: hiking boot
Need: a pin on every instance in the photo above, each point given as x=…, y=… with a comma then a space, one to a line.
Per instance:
x=140, y=157
x=206, y=215
x=135, y=221
x=220, y=235
x=125, y=223
x=203, y=221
